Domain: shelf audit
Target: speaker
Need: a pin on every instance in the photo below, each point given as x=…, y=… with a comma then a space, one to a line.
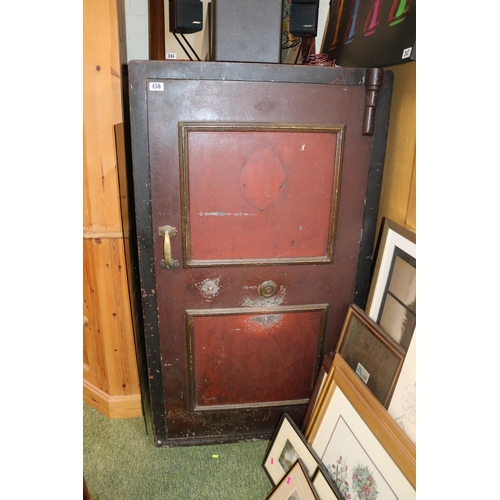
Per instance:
x=185, y=16
x=247, y=30
x=304, y=18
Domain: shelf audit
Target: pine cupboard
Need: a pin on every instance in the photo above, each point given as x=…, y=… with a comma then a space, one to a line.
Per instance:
x=110, y=374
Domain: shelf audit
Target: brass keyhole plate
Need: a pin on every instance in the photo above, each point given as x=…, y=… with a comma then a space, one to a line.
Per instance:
x=268, y=288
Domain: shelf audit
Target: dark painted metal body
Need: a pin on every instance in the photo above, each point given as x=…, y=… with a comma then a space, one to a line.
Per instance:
x=225, y=362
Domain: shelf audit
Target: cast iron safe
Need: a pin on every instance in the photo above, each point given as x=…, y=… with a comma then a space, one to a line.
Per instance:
x=256, y=189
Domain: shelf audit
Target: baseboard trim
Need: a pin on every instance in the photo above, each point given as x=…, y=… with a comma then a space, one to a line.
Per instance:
x=112, y=406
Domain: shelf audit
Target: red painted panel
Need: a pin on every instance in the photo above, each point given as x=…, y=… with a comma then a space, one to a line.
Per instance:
x=260, y=194
x=255, y=358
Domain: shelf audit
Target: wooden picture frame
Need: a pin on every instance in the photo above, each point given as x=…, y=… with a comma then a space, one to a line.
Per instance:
x=287, y=445
x=318, y=385
x=392, y=296
x=375, y=356
x=295, y=485
x=358, y=441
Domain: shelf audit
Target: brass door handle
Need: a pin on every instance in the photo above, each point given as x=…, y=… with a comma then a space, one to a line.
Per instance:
x=167, y=262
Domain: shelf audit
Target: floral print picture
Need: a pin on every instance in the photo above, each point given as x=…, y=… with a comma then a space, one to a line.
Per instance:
x=360, y=480
x=355, y=474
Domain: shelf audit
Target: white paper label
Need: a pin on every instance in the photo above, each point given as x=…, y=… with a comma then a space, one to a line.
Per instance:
x=156, y=86
x=363, y=374
x=406, y=53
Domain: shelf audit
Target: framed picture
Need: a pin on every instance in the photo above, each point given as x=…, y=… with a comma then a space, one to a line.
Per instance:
x=295, y=485
x=392, y=296
x=375, y=356
x=318, y=385
x=403, y=405
x=362, y=447
x=324, y=485
x=287, y=445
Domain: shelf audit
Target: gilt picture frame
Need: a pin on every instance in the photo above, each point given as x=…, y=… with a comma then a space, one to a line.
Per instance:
x=287, y=445
x=374, y=355
x=360, y=444
x=295, y=485
x=392, y=299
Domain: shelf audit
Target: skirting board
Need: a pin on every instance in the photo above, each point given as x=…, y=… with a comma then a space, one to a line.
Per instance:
x=112, y=406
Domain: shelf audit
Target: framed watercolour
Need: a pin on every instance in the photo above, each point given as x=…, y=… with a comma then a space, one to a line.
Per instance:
x=375, y=356
x=318, y=385
x=287, y=445
x=362, y=447
x=295, y=485
x=392, y=295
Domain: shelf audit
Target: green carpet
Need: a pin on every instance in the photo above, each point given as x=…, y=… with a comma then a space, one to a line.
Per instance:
x=121, y=462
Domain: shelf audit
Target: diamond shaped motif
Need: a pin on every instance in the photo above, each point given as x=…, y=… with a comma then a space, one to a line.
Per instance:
x=262, y=179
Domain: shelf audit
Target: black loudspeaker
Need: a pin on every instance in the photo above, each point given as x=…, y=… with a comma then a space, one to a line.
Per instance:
x=304, y=18
x=247, y=30
x=185, y=16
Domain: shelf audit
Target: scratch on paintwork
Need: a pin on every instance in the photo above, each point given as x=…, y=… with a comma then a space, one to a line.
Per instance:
x=263, y=323
x=207, y=400
x=268, y=319
x=262, y=301
x=317, y=187
x=303, y=147
x=209, y=288
x=225, y=214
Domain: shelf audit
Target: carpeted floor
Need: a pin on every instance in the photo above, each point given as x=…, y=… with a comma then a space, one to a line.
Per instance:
x=121, y=462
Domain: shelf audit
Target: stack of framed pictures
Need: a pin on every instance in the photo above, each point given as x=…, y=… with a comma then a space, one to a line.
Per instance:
x=294, y=468
x=352, y=447
x=358, y=436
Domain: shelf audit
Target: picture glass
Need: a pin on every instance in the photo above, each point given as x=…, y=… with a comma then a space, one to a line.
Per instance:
x=371, y=357
x=397, y=315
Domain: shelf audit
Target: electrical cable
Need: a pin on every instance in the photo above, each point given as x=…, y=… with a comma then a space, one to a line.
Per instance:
x=298, y=51
x=184, y=49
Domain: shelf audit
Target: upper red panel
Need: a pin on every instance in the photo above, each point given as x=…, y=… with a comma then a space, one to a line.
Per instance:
x=260, y=194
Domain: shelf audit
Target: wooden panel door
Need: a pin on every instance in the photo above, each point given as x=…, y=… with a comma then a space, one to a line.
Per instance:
x=256, y=193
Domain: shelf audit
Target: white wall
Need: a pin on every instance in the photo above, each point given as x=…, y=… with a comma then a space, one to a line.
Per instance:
x=136, y=18
x=136, y=28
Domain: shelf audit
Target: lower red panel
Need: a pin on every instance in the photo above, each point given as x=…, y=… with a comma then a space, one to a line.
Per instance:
x=251, y=359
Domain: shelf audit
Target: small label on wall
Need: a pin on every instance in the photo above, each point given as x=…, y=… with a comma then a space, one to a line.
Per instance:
x=406, y=53
x=170, y=55
x=156, y=86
